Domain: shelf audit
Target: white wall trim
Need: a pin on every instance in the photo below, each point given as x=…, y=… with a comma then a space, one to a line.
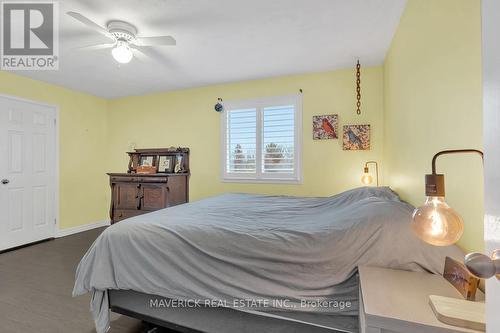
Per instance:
x=81, y=228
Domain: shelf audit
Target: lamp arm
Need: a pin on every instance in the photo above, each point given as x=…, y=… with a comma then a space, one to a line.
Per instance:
x=454, y=151
x=376, y=167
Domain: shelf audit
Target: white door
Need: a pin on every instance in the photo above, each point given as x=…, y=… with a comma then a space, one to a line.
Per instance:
x=491, y=120
x=27, y=172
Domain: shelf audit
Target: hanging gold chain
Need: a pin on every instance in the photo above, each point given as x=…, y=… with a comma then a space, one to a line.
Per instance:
x=358, y=88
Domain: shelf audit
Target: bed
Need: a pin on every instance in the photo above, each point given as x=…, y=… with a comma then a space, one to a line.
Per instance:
x=259, y=259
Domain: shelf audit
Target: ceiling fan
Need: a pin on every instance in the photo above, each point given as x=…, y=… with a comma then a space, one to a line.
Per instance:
x=124, y=38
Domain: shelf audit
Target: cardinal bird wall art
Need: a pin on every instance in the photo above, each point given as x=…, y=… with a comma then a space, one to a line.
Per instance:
x=356, y=137
x=325, y=127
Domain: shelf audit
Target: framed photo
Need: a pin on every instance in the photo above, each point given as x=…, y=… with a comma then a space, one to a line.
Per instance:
x=166, y=163
x=356, y=137
x=325, y=127
x=147, y=161
x=178, y=164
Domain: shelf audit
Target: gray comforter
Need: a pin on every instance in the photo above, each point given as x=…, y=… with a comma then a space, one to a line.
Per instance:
x=241, y=246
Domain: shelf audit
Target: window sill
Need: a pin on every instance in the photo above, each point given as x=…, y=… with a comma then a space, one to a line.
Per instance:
x=262, y=181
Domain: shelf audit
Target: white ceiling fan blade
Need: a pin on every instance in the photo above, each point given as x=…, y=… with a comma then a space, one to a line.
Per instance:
x=146, y=53
x=141, y=56
x=95, y=47
x=157, y=40
x=91, y=24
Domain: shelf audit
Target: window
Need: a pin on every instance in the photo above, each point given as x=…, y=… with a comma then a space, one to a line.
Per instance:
x=261, y=140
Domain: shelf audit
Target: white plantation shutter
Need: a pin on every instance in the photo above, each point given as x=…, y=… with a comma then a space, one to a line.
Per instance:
x=262, y=139
x=278, y=139
x=241, y=141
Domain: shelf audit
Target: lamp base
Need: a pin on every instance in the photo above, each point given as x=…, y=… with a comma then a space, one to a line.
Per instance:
x=459, y=312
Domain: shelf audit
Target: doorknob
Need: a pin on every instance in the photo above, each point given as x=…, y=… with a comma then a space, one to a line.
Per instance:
x=5, y=181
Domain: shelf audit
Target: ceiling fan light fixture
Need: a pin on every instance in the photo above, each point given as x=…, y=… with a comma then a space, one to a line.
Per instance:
x=122, y=52
x=123, y=35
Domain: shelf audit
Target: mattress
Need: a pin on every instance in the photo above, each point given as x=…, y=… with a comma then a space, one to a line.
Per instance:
x=294, y=253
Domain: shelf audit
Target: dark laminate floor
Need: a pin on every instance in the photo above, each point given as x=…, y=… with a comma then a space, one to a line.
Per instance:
x=35, y=290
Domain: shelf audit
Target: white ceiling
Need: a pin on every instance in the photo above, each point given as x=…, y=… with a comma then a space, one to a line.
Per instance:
x=221, y=41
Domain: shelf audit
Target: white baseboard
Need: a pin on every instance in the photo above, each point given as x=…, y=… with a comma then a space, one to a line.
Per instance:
x=81, y=228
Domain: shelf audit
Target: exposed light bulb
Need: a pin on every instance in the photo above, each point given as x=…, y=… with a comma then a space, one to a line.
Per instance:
x=437, y=223
x=366, y=179
x=122, y=52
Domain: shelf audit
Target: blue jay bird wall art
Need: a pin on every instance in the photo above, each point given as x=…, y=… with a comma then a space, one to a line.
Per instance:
x=356, y=137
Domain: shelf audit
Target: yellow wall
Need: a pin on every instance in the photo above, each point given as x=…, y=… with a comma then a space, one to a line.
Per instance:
x=433, y=101
x=82, y=125
x=186, y=118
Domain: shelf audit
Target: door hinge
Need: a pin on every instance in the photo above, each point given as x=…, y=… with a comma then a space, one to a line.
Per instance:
x=55, y=121
x=55, y=221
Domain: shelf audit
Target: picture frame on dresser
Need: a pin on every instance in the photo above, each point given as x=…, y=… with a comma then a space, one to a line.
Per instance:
x=166, y=163
x=179, y=164
x=147, y=160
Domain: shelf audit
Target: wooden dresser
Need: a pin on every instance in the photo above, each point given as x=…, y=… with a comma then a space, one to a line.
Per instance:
x=134, y=193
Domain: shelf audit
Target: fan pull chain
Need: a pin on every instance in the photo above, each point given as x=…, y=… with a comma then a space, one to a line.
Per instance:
x=358, y=88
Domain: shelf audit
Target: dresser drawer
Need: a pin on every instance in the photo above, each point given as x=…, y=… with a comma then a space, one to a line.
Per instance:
x=138, y=179
x=156, y=179
x=126, y=179
x=122, y=214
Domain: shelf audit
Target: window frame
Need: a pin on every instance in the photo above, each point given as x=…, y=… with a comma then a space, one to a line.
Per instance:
x=259, y=104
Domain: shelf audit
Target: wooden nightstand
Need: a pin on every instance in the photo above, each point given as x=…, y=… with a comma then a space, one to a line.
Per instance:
x=393, y=301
